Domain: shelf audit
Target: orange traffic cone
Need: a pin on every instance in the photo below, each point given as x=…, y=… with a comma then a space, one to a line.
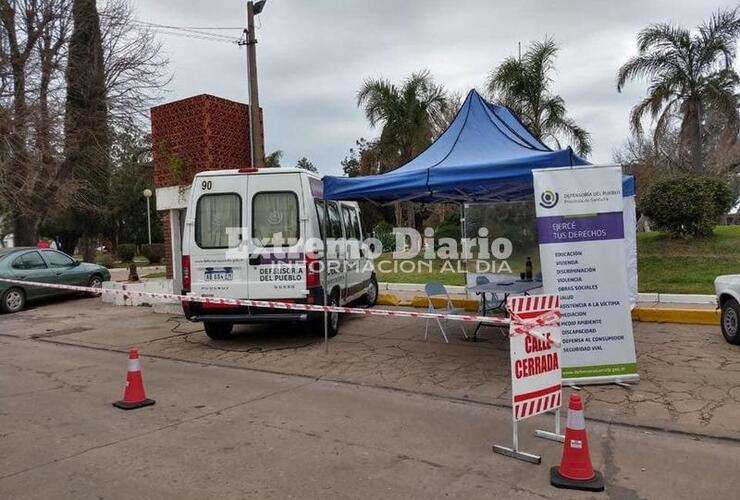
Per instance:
x=133, y=394
x=575, y=471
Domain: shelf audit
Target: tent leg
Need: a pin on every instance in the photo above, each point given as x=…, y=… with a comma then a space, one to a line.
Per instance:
x=463, y=234
x=325, y=272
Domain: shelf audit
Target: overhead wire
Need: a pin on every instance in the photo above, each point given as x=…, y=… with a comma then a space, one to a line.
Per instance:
x=192, y=32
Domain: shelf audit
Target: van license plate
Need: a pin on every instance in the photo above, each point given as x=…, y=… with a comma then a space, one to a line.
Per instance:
x=219, y=276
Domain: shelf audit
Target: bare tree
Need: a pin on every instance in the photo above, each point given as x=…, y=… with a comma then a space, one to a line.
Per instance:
x=23, y=25
x=135, y=67
x=35, y=179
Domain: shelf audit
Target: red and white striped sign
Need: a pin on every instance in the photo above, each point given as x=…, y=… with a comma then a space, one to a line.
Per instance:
x=535, y=360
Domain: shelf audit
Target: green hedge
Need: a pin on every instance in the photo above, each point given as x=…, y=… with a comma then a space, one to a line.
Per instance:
x=154, y=252
x=126, y=252
x=688, y=206
x=383, y=232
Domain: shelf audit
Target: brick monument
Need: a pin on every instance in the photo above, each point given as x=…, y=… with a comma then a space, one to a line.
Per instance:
x=192, y=135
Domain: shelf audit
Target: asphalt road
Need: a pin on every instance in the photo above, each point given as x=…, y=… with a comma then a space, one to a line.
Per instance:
x=235, y=432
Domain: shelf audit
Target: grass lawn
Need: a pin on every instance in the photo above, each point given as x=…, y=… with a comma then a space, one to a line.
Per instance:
x=665, y=264
x=152, y=276
x=672, y=265
x=453, y=273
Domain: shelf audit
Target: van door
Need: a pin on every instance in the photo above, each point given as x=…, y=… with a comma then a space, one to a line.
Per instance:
x=336, y=251
x=277, y=222
x=218, y=259
x=366, y=259
x=353, y=256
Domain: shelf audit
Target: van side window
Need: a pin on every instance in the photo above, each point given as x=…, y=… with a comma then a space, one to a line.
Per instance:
x=360, y=229
x=335, y=223
x=351, y=226
x=356, y=223
x=215, y=214
x=275, y=219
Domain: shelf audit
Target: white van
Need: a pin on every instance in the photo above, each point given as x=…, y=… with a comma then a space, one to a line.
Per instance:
x=252, y=234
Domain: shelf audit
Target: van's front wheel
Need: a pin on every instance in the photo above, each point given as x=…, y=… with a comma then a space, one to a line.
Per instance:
x=218, y=331
x=371, y=295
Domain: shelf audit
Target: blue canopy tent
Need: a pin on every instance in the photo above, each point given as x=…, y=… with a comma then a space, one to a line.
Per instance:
x=485, y=155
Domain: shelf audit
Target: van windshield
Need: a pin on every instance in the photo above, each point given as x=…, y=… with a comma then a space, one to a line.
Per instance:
x=215, y=215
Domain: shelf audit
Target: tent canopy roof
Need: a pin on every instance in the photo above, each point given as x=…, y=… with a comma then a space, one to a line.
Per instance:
x=485, y=155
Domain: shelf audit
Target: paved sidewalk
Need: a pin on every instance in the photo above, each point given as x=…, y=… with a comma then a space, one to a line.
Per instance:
x=688, y=373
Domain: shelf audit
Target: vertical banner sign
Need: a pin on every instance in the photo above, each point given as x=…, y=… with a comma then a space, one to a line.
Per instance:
x=582, y=253
x=535, y=364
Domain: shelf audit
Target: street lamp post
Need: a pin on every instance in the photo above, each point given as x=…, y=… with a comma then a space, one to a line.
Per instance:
x=148, y=194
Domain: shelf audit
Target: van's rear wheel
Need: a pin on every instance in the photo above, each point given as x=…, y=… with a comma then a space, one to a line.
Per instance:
x=218, y=331
x=333, y=317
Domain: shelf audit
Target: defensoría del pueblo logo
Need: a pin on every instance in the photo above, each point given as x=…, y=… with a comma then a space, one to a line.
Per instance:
x=549, y=199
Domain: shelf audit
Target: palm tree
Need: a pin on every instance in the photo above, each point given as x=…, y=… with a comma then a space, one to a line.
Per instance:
x=691, y=79
x=525, y=86
x=410, y=115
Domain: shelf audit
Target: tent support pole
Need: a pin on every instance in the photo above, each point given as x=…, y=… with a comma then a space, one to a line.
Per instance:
x=463, y=230
x=325, y=272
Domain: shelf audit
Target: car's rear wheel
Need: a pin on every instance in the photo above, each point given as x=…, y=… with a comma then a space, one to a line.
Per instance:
x=730, y=316
x=218, y=331
x=12, y=300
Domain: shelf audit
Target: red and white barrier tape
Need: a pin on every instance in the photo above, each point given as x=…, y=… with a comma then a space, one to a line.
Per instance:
x=522, y=325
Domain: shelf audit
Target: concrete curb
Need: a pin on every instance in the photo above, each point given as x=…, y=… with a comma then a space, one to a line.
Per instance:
x=660, y=298
x=420, y=301
x=691, y=316
x=644, y=314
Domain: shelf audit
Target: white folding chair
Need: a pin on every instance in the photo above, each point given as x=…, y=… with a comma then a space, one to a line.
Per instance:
x=435, y=289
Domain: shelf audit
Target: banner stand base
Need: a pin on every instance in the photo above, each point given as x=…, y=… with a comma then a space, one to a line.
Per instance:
x=514, y=451
x=519, y=455
x=621, y=380
x=552, y=436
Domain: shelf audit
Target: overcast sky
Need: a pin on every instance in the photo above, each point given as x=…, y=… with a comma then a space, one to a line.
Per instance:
x=313, y=55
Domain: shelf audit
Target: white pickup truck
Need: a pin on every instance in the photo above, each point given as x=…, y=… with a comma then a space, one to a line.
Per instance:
x=728, y=299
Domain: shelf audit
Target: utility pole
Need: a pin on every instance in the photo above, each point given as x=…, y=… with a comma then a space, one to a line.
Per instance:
x=257, y=145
